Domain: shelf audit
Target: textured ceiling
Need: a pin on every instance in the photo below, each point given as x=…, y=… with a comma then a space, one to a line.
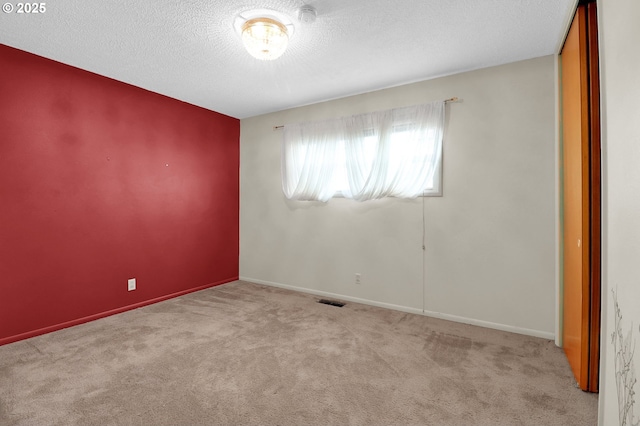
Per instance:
x=189, y=50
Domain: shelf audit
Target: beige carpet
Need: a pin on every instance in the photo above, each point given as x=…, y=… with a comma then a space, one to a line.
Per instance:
x=246, y=354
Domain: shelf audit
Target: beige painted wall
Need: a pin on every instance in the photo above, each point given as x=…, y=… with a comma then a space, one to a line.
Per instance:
x=490, y=240
x=619, y=37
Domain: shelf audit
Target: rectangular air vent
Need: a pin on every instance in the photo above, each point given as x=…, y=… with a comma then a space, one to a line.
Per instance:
x=331, y=302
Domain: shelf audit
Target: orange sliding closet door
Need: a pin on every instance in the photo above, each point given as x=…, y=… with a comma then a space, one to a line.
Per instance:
x=581, y=198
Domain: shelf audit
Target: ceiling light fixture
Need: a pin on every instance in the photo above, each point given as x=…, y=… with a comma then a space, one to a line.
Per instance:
x=265, y=33
x=265, y=38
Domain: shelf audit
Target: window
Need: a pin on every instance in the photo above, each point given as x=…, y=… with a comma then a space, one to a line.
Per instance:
x=395, y=153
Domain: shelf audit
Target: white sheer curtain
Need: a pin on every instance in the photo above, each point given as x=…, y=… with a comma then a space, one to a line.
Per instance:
x=392, y=153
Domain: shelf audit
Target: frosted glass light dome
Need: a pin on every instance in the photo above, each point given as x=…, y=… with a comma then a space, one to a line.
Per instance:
x=265, y=38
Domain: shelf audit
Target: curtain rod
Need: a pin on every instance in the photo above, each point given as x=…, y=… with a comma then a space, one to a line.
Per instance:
x=454, y=99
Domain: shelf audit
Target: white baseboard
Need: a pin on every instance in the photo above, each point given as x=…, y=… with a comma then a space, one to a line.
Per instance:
x=494, y=325
x=335, y=296
x=448, y=317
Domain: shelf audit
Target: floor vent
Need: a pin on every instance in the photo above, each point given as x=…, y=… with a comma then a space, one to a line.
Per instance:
x=331, y=302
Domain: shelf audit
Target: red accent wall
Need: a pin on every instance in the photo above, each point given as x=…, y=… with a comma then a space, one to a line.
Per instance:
x=101, y=181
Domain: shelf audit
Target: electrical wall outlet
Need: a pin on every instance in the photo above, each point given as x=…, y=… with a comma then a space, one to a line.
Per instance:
x=358, y=279
x=131, y=284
